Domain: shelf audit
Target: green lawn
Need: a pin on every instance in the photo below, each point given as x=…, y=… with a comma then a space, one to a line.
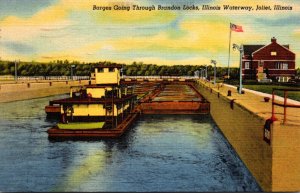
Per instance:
x=268, y=89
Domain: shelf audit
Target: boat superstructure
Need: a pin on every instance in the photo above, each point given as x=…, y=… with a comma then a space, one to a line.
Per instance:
x=100, y=106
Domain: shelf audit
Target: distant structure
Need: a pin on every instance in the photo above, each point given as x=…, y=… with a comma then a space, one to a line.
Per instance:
x=268, y=62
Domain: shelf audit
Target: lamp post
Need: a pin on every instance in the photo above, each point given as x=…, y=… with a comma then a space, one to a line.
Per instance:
x=215, y=71
x=201, y=73
x=72, y=67
x=241, y=49
x=196, y=74
x=122, y=71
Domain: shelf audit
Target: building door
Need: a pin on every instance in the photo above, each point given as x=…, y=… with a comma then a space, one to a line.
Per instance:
x=260, y=67
x=260, y=71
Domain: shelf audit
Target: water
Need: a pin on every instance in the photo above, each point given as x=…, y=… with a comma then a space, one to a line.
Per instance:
x=159, y=153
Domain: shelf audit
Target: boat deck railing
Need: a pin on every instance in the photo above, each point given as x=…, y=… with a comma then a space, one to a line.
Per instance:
x=159, y=77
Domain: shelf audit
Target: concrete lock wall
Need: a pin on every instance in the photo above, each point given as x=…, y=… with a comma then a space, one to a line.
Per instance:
x=29, y=90
x=276, y=167
x=286, y=157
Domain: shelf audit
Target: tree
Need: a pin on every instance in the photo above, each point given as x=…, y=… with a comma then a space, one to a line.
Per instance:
x=128, y=72
x=147, y=73
x=190, y=73
x=153, y=72
x=62, y=67
x=162, y=71
x=140, y=73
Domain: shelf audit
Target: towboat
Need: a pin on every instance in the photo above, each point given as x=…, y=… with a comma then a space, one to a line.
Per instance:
x=103, y=109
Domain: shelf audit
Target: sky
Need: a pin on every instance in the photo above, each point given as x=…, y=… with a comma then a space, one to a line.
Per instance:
x=50, y=30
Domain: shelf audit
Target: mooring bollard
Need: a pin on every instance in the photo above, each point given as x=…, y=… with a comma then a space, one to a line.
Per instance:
x=231, y=103
x=266, y=99
x=229, y=93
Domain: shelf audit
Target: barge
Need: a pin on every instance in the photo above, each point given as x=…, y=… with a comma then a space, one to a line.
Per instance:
x=108, y=107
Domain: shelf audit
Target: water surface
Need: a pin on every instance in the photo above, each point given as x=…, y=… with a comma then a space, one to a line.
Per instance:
x=159, y=153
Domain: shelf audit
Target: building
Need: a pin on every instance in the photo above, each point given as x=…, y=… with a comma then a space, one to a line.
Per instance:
x=272, y=61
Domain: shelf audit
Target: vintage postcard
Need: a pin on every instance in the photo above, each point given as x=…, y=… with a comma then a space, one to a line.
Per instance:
x=149, y=95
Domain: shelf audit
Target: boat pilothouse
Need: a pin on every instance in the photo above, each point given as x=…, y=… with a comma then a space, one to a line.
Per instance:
x=103, y=105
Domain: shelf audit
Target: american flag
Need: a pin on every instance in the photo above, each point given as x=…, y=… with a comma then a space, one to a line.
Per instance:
x=236, y=28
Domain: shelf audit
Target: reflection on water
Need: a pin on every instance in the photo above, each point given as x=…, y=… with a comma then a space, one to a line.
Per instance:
x=160, y=153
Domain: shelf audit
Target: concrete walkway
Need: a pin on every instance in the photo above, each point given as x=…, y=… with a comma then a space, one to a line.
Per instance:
x=29, y=90
x=254, y=102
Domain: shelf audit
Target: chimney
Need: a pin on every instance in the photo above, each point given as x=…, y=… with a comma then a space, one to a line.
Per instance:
x=273, y=40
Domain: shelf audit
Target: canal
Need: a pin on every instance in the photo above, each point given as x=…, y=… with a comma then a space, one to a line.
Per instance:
x=159, y=153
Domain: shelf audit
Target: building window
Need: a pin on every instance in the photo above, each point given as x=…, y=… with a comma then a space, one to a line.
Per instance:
x=283, y=79
x=111, y=69
x=247, y=65
x=273, y=53
x=282, y=66
x=100, y=70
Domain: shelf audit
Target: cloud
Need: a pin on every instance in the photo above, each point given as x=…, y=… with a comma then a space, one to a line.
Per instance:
x=26, y=33
x=296, y=33
x=26, y=28
x=133, y=17
x=48, y=15
x=163, y=61
x=193, y=36
x=122, y=17
x=255, y=3
x=72, y=30
x=19, y=48
x=286, y=21
x=15, y=7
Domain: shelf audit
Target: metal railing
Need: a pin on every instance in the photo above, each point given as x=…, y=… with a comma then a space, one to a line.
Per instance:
x=160, y=77
x=284, y=104
x=45, y=78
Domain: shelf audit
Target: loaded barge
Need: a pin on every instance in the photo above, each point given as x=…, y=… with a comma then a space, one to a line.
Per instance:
x=108, y=107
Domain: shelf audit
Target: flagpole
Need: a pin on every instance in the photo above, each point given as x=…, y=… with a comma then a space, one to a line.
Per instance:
x=229, y=49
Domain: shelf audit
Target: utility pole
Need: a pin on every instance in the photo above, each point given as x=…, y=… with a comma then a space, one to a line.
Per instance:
x=241, y=49
x=215, y=71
